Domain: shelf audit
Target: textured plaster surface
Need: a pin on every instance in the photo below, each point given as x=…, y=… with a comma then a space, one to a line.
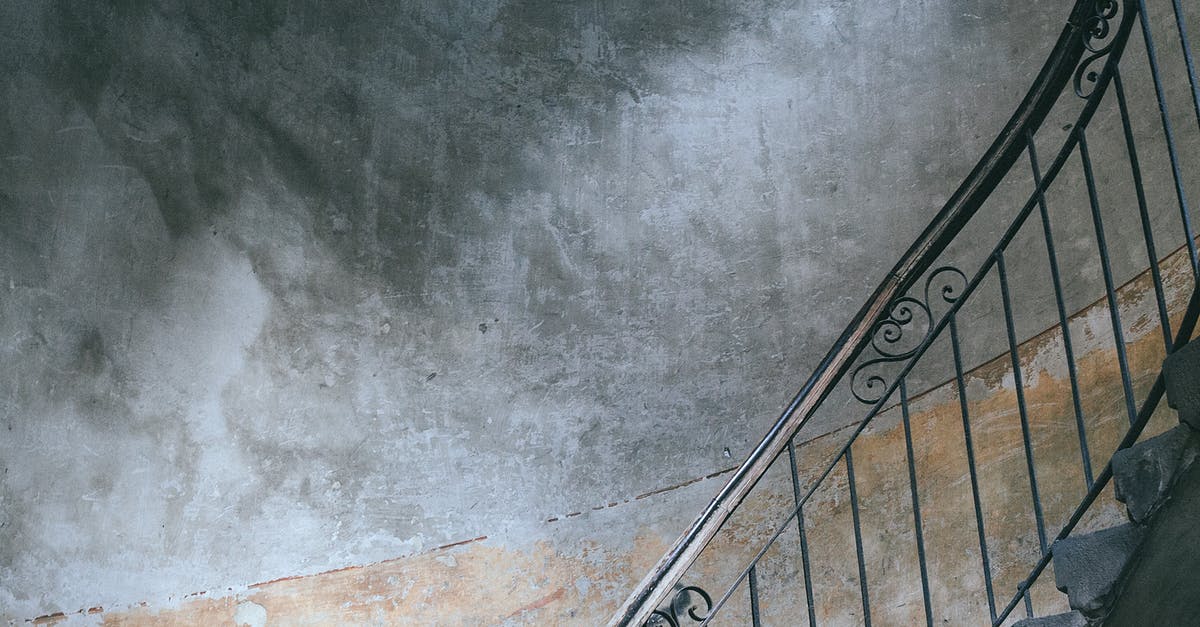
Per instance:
x=286, y=289
x=587, y=560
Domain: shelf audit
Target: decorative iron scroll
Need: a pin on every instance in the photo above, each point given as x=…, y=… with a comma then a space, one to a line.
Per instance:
x=1098, y=38
x=685, y=603
x=888, y=340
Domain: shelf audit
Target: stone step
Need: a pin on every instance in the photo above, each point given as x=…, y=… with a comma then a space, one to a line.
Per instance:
x=1088, y=567
x=1144, y=473
x=1070, y=619
x=1182, y=372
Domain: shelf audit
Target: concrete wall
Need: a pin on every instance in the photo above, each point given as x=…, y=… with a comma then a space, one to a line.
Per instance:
x=288, y=289
x=474, y=582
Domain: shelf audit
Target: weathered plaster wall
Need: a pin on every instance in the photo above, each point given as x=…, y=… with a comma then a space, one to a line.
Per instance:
x=955, y=570
x=573, y=581
x=289, y=289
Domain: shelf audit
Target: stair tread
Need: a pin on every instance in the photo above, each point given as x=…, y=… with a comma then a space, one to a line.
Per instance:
x=1069, y=619
x=1143, y=474
x=1088, y=566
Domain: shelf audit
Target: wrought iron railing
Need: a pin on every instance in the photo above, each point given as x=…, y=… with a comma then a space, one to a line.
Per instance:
x=873, y=360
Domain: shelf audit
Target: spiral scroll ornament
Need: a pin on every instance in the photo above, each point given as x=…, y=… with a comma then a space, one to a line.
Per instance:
x=689, y=602
x=1098, y=38
x=900, y=335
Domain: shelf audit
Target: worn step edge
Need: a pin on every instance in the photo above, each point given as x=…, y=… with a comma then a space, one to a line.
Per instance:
x=1088, y=567
x=1181, y=370
x=1144, y=473
x=1070, y=619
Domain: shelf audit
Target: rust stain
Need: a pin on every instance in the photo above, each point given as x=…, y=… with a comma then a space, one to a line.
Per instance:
x=459, y=543
x=683, y=484
x=540, y=603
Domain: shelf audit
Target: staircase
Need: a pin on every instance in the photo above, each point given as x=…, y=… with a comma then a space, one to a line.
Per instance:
x=1092, y=569
x=1116, y=128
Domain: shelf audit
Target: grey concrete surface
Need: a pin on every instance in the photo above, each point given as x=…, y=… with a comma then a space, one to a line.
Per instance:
x=1144, y=473
x=289, y=287
x=1161, y=586
x=1070, y=619
x=1087, y=567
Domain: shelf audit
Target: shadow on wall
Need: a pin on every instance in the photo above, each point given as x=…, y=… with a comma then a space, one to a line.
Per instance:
x=324, y=286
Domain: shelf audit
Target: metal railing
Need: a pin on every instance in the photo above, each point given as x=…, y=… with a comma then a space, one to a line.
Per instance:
x=1084, y=67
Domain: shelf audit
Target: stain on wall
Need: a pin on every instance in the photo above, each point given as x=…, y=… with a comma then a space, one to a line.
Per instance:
x=579, y=578
x=286, y=289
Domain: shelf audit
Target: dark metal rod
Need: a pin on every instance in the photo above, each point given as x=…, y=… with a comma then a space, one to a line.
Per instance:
x=966, y=421
x=804, y=561
x=837, y=361
x=858, y=543
x=1153, y=398
x=1063, y=320
x=1160, y=93
x=1147, y=232
x=828, y=469
x=655, y=585
x=1056, y=73
x=754, y=617
x=1110, y=289
x=1187, y=58
x=1050, y=175
x=795, y=511
x=916, y=503
x=947, y=318
x=1019, y=383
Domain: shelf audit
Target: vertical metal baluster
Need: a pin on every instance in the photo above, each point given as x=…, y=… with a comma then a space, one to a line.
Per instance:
x=916, y=502
x=1187, y=58
x=754, y=596
x=1062, y=313
x=1019, y=383
x=966, y=420
x=1184, y=212
x=1147, y=233
x=858, y=545
x=1109, y=286
x=808, y=590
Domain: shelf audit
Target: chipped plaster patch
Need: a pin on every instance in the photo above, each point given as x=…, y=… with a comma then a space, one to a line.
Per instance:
x=250, y=614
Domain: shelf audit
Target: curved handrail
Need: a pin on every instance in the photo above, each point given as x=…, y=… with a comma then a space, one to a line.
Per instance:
x=1093, y=97
x=1065, y=65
